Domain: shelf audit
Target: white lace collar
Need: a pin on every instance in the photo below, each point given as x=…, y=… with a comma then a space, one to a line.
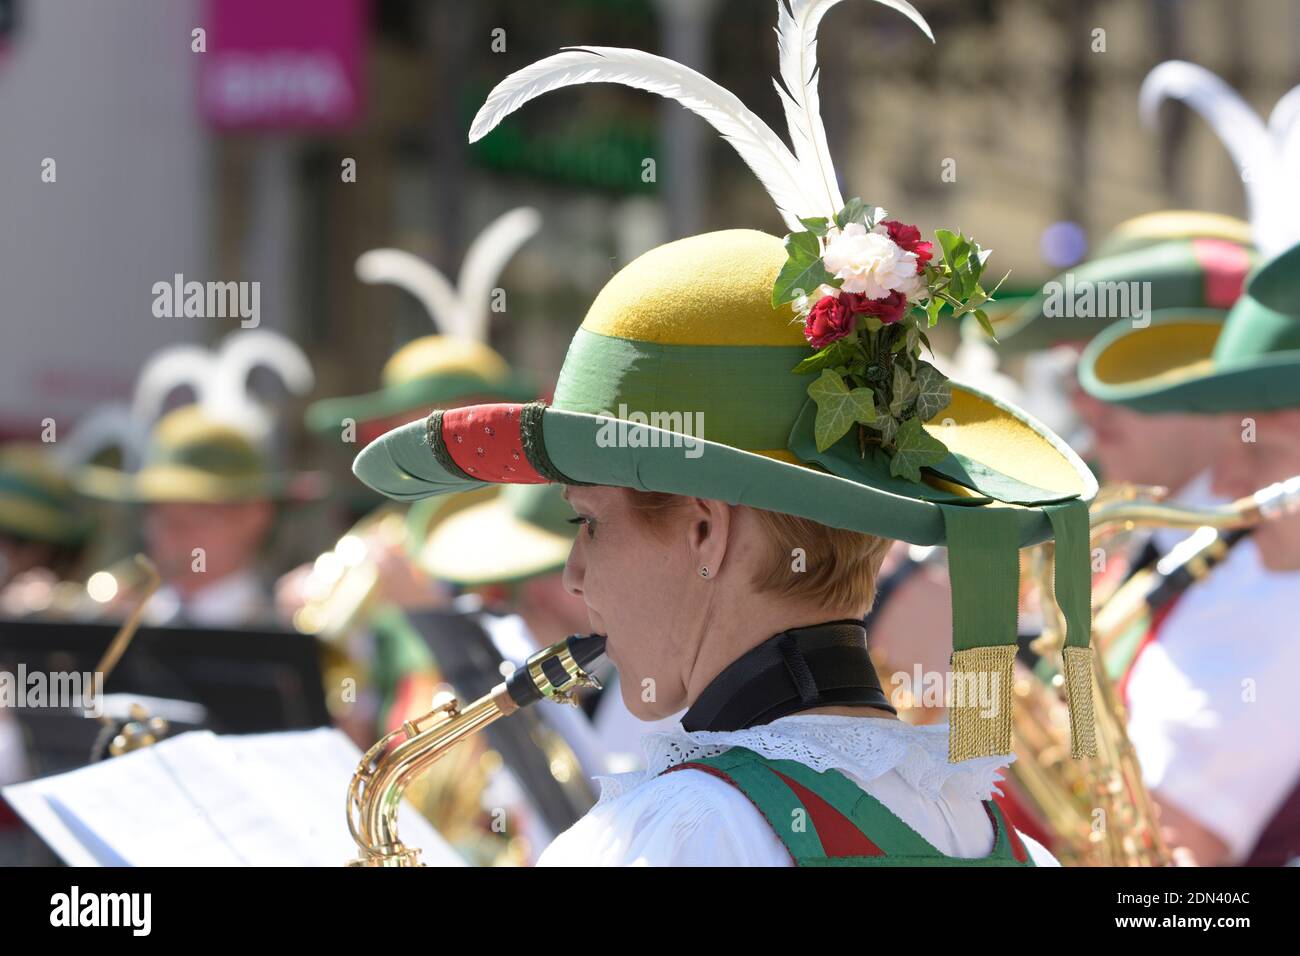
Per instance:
x=867, y=747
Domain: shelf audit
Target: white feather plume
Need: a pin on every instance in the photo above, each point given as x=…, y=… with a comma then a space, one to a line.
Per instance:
x=107, y=426
x=1284, y=127
x=219, y=379
x=227, y=397
x=486, y=256
x=761, y=149
x=412, y=274
x=166, y=370
x=1258, y=155
x=796, y=35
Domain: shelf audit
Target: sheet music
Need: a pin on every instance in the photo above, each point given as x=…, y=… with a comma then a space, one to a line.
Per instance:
x=203, y=800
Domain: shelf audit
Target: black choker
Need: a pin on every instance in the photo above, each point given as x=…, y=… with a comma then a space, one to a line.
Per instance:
x=798, y=669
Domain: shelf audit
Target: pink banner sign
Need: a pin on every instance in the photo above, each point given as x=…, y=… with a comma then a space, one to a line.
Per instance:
x=291, y=64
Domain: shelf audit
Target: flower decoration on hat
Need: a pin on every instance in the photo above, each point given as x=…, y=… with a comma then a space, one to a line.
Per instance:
x=876, y=287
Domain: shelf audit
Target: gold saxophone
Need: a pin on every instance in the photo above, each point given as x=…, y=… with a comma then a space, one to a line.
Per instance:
x=400, y=757
x=1098, y=809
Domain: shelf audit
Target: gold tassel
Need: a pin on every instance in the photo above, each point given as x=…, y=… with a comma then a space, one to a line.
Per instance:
x=1078, y=694
x=979, y=714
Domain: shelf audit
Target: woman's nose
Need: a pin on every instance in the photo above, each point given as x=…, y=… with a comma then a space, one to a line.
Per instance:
x=574, y=568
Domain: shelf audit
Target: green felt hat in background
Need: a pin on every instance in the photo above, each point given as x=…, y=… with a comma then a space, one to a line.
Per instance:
x=212, y=449
x=1183, y=363
x=1153, y=228
x=37, y=501
x=448, y=368
x=194, y=457
x=1187, y=363
x=523, y=532
x=1167, y=260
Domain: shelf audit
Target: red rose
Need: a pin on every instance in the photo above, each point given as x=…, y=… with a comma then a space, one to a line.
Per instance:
x=889, y=309
x=855, y=302
x=909, y=239
x=829, y=321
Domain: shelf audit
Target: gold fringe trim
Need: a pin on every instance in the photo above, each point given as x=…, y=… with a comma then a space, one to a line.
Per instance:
x=1078, y=694
x=979, y=714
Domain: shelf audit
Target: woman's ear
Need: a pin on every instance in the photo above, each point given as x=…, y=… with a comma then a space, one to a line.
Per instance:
x=709, y=533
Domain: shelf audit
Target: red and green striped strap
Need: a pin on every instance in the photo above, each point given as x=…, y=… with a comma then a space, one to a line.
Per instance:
x=824, y=819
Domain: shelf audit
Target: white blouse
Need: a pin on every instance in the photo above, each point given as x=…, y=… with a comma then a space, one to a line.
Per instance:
x=691, y=818
x=1211, y=698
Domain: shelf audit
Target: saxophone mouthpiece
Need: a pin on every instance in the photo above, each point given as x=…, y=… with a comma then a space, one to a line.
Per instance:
x=557, y=671
x=587, y=648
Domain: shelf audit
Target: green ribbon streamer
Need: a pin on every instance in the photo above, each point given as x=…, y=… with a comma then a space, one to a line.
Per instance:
x=1073, y=582
x=984, y=568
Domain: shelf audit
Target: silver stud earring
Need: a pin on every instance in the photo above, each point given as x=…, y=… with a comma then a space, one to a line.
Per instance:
x=704, y=572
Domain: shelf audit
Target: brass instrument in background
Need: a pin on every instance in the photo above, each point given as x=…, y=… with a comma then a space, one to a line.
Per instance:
x=397, y=759
x=1069, y=794
x=342, y=583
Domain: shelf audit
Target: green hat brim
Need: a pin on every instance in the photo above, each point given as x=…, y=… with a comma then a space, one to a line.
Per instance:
x=33, y=521
x=327, y=414
x=1168, y=368
x=487, y=544
x=402, y=465
x=179, y=484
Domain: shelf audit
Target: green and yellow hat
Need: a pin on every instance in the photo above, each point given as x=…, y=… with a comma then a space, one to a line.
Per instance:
x=523, y=532
x=1178, y=259
x=451, y=367
x=37, y=501
x=1189, y=363
x=193, y=456
x=688, y=377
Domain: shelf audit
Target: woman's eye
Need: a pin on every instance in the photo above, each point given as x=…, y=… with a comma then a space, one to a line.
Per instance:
x=588, y=522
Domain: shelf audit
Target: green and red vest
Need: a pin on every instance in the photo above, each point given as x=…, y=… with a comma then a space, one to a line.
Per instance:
x=825, y=819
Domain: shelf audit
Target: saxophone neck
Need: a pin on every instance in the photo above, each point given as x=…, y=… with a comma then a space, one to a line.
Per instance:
x=375, y=795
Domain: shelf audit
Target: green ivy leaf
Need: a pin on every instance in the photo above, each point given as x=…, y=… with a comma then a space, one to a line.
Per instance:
x=934, y=391
x=887, y=425
x=837, y=353
x=817, y=225
x=803, y=271
x=904, y=393
x=975, y=260
x=838, y=408
x=959, y=286
x=855, y=210
x=952, y=245
x=914, y=449
x=932, y=310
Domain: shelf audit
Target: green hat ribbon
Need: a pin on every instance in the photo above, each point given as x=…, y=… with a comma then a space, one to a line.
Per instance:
x=984, y=568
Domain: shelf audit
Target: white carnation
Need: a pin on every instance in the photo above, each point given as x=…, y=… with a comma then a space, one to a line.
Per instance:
x=869, y=262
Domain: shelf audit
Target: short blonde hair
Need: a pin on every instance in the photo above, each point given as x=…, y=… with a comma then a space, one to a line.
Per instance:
x=838, y=568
